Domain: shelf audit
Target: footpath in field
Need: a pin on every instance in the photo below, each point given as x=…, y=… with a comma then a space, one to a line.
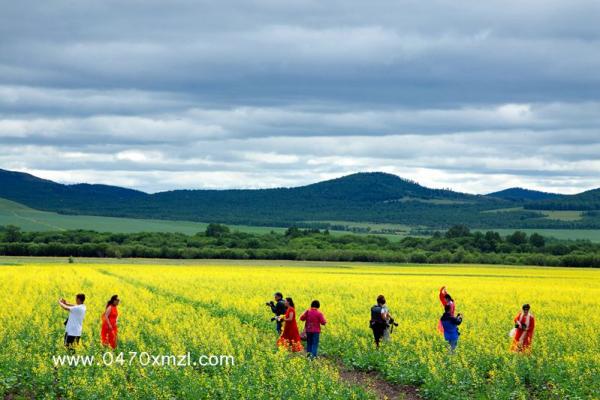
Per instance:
x=370, y=381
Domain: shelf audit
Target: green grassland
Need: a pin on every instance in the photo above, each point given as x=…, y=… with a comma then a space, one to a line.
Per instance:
x=28, y=219
x=402, y=231
x=563, y=234
x=559, y=215
x=563, y=215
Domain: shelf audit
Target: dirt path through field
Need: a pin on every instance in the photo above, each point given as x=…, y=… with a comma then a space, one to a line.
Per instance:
x=374, y=383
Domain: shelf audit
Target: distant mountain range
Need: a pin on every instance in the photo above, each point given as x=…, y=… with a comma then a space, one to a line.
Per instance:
x=361, y=197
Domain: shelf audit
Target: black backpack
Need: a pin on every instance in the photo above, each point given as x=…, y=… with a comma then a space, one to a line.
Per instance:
x=376, y=317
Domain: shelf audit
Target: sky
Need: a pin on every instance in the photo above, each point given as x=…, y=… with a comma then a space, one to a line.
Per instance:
x=475, y=96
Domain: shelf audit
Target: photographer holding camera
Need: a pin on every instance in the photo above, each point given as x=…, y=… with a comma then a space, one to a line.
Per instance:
x=278, y=308
x=379, y=319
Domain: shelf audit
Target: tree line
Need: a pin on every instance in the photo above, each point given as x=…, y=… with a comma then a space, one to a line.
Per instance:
x=457, y=245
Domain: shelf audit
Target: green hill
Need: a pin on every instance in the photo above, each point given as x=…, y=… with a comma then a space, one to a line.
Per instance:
x=363, y=197
x=586, y=201
x=520, y=194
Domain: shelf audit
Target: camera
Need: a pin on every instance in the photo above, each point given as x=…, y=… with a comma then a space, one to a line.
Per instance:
x=391, y=324
x=273, y=319
x=270, y=304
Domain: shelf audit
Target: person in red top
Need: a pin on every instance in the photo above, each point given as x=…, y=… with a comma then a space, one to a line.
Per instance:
x=314, y=319
x=108, y=335
x=290, y=337
x=446, y=299
x=524, y=327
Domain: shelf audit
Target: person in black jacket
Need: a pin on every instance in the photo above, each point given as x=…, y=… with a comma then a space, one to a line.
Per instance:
x=278, y=308
x=450, y=324
x=379, y=317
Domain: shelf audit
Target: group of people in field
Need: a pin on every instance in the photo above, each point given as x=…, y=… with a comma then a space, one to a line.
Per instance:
x=382, y=324
x=289, y=335
x=74, y=323
x=522, y=333
x=287, y=328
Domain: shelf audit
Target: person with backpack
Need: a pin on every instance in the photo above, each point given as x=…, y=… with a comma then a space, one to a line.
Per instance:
x=379, y=318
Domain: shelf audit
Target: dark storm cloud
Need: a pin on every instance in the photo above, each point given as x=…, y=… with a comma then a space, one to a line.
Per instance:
x=156, y=95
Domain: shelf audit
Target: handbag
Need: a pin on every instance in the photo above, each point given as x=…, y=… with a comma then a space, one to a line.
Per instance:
x=512, y=332
x=303, y=333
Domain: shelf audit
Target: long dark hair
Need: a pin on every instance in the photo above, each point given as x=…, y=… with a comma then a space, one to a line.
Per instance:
x=112, y=300
x=290, y=301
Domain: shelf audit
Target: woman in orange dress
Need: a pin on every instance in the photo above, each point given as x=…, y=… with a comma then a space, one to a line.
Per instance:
x=524, y=326
x=290, y=337
x=108, y=335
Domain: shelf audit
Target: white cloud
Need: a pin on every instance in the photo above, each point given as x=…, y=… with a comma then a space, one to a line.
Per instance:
x=476, y=96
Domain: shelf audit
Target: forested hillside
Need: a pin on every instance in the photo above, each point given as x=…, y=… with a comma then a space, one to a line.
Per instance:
x=363, y=197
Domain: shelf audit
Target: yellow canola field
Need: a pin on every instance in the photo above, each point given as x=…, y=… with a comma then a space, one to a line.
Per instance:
x=218, y=309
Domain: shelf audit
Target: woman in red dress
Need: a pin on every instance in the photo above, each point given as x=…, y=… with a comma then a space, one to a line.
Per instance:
x=524, y=326
x=290, y=337
x=108, y=335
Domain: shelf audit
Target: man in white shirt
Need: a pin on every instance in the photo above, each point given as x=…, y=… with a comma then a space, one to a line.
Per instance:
x=74, y=323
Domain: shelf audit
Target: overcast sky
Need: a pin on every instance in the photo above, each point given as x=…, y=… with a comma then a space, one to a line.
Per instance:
x=155, y=95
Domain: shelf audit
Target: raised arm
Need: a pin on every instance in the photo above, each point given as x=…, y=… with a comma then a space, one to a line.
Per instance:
x=443, y=295
x=64, y=305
